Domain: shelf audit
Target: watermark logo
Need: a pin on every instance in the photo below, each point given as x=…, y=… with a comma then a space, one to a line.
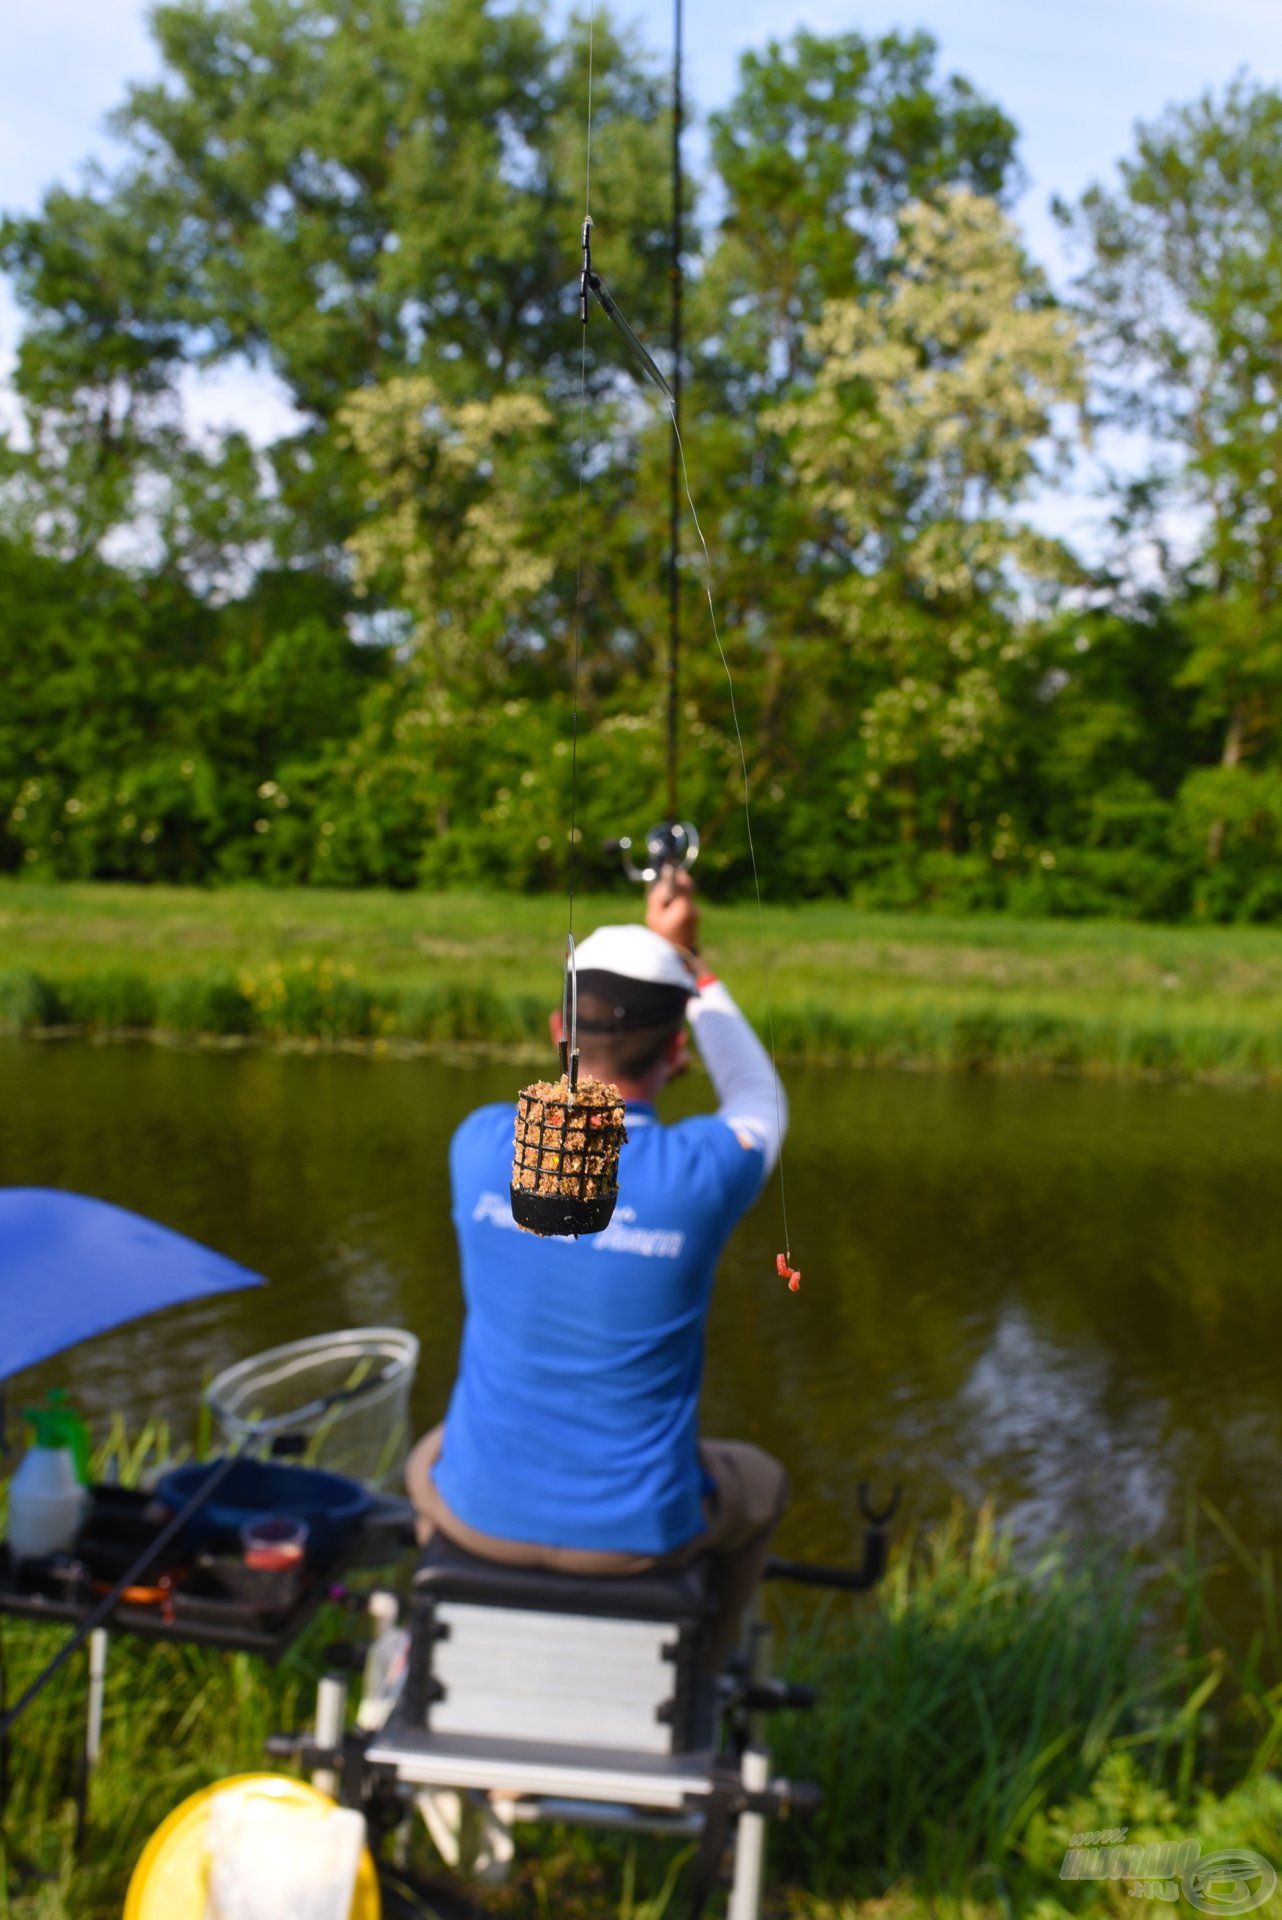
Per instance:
x=1231, y=1881
x=1227, y=1882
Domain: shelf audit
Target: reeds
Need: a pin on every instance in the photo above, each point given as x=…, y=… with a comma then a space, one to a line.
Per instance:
x=983, y=1710
x=308, y=1000
x=318, y=1003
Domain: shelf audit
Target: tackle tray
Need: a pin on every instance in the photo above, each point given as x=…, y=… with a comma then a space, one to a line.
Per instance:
x=196, y=1611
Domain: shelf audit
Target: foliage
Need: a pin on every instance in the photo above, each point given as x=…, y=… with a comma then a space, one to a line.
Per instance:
x=827, y=139
x=977, y=1690
x=917, y=434
x=26, y=1001
x=211, y=1003
x=447, y=537
x=987, y=1708
x=1183, y=291
x=340, y=653
x=1241, y=807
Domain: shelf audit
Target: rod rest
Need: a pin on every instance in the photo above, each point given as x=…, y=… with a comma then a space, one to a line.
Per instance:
x=809, y=1573
x=785, y=1800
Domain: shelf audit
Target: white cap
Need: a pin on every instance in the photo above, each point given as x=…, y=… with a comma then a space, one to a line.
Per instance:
x=636, y=953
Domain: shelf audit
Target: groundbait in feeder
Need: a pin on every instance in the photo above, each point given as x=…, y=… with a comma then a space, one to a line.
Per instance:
x=565, y=1166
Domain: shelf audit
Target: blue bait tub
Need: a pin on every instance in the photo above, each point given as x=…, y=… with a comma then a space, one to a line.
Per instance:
x=331, y=1504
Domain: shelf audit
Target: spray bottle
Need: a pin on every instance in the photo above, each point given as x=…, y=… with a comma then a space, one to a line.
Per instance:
x=48, y=1494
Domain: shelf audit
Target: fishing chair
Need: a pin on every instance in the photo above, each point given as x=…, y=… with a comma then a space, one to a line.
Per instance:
x=533, y=1696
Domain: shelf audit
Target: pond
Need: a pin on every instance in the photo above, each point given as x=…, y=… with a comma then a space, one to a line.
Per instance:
x=1062, y=1296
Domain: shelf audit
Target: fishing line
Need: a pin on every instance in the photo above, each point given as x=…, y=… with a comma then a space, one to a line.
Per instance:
x=591, y=282
x=747, y=821
x=578, y=616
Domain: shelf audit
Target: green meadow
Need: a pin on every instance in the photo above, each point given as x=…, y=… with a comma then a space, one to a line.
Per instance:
x=876, y=989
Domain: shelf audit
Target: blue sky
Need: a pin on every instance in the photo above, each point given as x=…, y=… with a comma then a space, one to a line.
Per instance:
x=1076, y=77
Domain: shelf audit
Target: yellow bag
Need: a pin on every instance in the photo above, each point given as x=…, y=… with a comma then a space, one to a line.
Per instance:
x=171, y=1879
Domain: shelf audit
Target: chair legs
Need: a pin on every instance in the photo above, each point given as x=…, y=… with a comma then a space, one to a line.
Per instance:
x=331, y=1718
x=469, y=1832
x=750, y=1843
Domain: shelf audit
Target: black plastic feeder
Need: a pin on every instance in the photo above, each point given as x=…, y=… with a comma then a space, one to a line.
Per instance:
x=565, y=1161
x=565, y=1156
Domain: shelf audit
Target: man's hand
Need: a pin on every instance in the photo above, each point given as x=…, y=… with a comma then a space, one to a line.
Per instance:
x=671, y=909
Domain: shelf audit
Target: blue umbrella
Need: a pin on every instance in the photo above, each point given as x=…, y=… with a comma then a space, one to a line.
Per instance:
x=71, y=1267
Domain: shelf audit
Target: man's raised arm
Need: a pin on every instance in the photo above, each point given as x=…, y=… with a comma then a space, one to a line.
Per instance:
x=750, y=1095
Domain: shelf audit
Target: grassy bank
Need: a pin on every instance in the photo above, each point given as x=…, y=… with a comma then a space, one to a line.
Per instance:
x=872, y=989
x=974, y=1716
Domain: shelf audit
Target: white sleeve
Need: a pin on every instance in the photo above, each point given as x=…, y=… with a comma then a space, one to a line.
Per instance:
x=749, y=1091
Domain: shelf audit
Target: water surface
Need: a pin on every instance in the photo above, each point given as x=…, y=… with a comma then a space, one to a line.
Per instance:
x=1059, y=1295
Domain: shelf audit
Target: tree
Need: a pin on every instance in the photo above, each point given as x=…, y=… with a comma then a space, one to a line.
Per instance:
x=921, y=432
x=342, y=193
x=451, y=531
x=1182, y=293
x=824, y=144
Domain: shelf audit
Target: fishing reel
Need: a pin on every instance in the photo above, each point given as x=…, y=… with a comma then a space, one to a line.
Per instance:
x=669, y=848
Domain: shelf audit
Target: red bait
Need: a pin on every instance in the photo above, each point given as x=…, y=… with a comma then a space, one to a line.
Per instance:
x=791, y=1274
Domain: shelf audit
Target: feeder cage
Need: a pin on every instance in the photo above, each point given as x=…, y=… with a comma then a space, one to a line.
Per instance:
x=565, y=1167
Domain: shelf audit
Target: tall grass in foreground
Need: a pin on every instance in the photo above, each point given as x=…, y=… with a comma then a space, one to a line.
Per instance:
x=975, y=1713
x=983, y=1711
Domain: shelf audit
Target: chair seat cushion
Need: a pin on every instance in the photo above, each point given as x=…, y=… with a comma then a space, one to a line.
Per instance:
x=449, y=1572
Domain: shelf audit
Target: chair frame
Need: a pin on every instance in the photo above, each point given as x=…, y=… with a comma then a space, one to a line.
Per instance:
x=724, y=1794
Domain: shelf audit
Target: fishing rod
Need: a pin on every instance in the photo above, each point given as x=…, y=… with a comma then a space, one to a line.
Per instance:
x=673, y=844
x=674, y=450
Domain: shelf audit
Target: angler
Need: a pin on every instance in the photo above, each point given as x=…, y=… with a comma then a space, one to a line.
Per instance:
x=571, y=1441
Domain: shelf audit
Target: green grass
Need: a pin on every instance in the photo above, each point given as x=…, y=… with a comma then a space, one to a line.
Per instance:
x=984, y=1711
x=874, y=989
x=974, y=1714
x=176, y=1719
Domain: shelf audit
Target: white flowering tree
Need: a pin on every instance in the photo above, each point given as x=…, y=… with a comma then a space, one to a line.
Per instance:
x=936, y=400
x=451, y=491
